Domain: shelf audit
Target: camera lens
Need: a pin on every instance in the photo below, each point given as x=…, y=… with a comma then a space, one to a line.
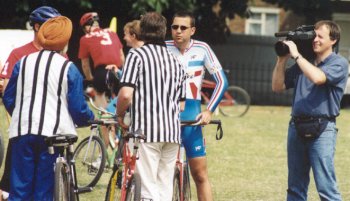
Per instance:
x=281, y=49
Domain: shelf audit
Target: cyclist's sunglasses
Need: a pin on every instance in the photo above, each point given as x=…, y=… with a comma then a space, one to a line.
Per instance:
x=175, y=27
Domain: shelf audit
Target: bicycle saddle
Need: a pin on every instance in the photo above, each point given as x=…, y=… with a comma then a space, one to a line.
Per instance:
x=137, y=134
x=61, y=140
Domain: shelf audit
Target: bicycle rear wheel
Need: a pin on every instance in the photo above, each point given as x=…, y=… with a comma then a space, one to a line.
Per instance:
x=114, y=186
x=62, y=183
x=176, y=186
x=186, y=184
x=133, y=192
x=90, y=160
x=235, y=103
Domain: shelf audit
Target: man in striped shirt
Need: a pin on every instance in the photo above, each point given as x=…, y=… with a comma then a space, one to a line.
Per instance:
x=195, y=56
x=45, y=98
x=153, y=83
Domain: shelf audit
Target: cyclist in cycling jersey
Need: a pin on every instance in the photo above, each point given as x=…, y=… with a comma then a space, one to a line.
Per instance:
x=196, y=56
x=105, y=50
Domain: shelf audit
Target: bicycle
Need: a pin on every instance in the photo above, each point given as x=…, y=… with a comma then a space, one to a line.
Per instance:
x=91, y=154
x=125, y=184
x=235, y=102
x=181, y=183
x=66, y=184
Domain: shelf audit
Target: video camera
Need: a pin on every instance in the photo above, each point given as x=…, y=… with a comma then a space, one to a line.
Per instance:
x=303, y=37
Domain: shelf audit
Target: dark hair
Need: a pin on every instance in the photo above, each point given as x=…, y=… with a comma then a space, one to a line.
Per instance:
x=334, y=29
x=184, y=13
x=153, y=27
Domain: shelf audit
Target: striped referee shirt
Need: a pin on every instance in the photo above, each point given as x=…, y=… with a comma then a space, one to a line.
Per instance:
x=45, y=96
x=158, y=80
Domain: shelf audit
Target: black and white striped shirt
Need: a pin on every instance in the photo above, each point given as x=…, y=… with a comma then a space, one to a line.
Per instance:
x=159, y=84
x=45, y=96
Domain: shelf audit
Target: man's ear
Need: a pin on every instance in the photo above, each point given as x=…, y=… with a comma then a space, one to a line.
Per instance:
x=193, y=30
x=36, y=27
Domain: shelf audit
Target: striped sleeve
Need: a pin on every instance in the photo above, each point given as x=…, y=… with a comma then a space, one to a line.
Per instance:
x=220, y=88
x=130, y=70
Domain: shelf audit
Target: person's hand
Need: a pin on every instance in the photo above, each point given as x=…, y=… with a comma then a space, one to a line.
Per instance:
x=293, y=50
x=205, y=117
x=121, y=123
x=111, y=67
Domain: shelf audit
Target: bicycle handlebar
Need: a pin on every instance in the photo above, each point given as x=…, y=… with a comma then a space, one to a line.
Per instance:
x=103, y=110
x=219, y=132
x=103, y=121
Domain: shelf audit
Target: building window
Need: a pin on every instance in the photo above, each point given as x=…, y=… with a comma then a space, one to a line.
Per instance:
x=262, y=21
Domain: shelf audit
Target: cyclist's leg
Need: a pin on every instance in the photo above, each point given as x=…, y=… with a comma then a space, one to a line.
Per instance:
x=100, y=86
x=166, y=168
x=44, y=171
x=195, y=150
x=22, y=169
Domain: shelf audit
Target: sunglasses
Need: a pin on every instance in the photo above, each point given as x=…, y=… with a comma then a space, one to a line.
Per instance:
x=176, y=27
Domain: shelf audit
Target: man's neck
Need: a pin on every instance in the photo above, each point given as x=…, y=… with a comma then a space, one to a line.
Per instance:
x=182, y=47
x=322, y=56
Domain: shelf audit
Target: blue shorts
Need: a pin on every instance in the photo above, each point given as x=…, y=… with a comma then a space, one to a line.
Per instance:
x=192, y=137
x=193, y=141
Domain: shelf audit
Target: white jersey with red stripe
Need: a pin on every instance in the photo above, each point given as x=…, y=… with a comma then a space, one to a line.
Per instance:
x=196, y=58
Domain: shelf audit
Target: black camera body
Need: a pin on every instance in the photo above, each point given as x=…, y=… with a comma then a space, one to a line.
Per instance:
x=303, y=37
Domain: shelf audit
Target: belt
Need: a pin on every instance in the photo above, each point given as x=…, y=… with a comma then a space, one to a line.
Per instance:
x=311, y=118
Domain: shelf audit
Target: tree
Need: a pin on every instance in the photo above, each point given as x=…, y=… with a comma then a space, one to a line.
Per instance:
x=312, y=10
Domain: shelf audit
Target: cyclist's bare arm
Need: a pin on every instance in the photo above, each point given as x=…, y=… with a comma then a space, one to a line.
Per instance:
x=278, y=76
x=124, y=100
x=122, y=56
x=85, y=63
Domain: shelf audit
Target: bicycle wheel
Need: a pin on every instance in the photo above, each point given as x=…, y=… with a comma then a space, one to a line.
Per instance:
x=90, y=160
x=176, y=186
x=235, y=103
x=133, y=191
x=186, y=184
x=114, y=186
x=62, y=184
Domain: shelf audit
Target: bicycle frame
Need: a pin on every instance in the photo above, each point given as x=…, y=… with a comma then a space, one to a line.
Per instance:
x=181, y=163
x=66, y=142
x=109, y=120
x=129, y=161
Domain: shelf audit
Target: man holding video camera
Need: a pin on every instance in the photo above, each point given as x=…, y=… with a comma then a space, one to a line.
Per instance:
x=319, y=85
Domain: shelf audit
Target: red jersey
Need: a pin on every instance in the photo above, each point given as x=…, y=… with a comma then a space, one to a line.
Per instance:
x=15, y=55
x=103, y=46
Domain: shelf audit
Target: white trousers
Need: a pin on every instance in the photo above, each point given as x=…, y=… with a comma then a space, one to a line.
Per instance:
x=156, y=167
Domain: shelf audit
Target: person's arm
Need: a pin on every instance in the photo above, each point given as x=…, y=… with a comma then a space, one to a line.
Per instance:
x=85, y=63
x=4, y=84
x=124, y=100
x=278, y=74
x=77, y=106
x=312, y=72
x=9, y=98
x=122, y=57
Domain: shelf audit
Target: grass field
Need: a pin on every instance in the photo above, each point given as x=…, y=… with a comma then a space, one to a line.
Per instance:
x=249, y=163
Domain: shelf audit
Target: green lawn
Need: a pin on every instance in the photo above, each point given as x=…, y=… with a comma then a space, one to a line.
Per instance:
x=249, y=163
